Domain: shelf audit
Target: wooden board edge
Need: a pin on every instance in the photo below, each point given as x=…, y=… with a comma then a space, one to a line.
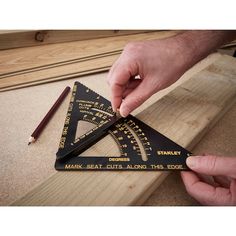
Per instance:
x=27, y=38
x=59, y=78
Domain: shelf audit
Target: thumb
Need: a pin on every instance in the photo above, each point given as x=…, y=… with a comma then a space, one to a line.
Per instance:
x=119, y=75
x=213, y=165
x=135, y=98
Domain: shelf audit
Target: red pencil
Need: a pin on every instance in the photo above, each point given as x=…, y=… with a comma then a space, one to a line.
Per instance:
x=48, y=116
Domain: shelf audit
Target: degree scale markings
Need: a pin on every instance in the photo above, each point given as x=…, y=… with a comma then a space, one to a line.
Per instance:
x=97, y=113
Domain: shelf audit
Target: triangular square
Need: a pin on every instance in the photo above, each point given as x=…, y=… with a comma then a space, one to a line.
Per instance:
x=142, y=147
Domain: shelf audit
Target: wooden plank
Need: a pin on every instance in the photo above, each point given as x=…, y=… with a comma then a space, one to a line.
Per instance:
x=23, y=59
x=47, y=66
x=59, y=78
x=58, y=73
x=25, y=38
x=184, y=115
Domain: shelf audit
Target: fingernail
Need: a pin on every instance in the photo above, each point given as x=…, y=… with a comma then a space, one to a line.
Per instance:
x=191, y=162
x=124, y=112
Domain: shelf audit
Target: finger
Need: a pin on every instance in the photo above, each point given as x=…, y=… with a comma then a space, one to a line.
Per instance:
x=130, y=87
x=127, y=92
x=132, y=84
x=116, y=89
x=223, y=181
x=205, y=193
x=116, y=96
x=212, y=165
x=118, y=77
x=208, y=179
x=134, y=99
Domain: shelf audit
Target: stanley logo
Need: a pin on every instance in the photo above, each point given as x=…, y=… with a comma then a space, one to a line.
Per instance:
x=169, y=153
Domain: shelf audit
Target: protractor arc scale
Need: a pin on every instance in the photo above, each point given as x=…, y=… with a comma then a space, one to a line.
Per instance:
x=140, y=146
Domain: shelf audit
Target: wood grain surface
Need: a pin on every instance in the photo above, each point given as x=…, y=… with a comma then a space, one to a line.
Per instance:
x=26, y=38
x=29, y=105
x=24, y=67
x=23, y=59
x=58, y=73
x=218, y=141
x=184, y=115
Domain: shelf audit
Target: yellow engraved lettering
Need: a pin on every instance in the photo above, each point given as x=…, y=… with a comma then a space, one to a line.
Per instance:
x=99, y=166
x=70, y=107
x=136, y=166
x=87, y=112
x=118, y=159
x=64, y=132
x=67, y=121
x=179, y=167
x=157, y=167
x=169, y=153
x=68, y=166
x=62, y=142
x=114, y=167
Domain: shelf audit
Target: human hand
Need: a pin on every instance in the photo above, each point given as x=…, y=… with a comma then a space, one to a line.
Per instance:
x=212, y=181
x=159, y=63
